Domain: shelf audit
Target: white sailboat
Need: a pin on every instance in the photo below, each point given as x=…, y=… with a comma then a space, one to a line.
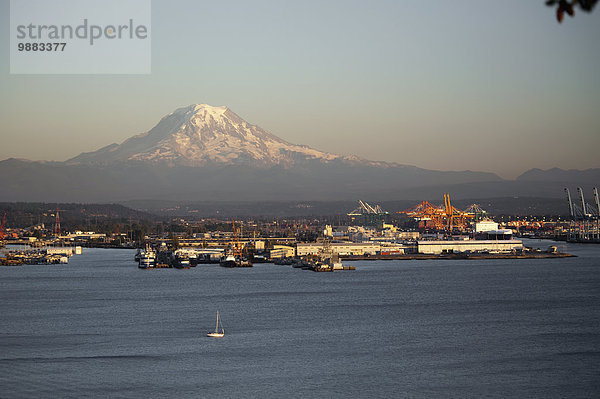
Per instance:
x=217, y=333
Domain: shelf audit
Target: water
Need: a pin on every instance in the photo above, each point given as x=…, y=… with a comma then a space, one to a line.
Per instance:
x=100, y=327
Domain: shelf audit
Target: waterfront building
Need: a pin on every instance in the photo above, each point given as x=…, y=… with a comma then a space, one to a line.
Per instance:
x=457, y=246
x=341, y=248
x=282, y=251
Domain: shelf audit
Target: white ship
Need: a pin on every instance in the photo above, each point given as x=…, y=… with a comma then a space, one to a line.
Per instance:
x=147, y=258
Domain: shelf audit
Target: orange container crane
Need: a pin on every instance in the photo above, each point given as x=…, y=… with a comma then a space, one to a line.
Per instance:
x=456, y=218
x=446, y=218
x=427, y=214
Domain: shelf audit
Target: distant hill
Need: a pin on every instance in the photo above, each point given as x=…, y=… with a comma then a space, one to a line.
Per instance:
x=72, y=215
x=109, y=216
x=571, y=176
x=258, y=209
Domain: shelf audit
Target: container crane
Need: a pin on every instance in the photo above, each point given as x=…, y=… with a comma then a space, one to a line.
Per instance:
x=369, y=214
x=585, y=218
x=446, y=218
x=365, y=208
x=476, y=210
x=597, y=200
x=571, y=208
x=427, y=214
x=583, y=204
x=455, y=217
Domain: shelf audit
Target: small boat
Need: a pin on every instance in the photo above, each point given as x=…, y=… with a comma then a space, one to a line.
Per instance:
x=138, y=255
x=232, y=260
x=217, y=333
x=181, y=262
x=228, y=260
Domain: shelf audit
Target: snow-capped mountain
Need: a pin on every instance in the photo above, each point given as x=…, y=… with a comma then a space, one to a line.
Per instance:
x=202, y=152
x=201, y=134
x=209, y=153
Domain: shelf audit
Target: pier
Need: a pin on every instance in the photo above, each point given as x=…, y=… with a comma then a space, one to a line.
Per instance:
x=467, y=256
x=38, y=256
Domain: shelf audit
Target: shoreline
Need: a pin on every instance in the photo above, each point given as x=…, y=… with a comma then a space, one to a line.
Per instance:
x=535, y=255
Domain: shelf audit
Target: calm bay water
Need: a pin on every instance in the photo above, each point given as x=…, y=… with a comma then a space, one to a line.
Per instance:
x=100, y=327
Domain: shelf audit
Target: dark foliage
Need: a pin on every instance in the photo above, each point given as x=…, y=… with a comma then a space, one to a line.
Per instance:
x=565, y=6
x=98, y=217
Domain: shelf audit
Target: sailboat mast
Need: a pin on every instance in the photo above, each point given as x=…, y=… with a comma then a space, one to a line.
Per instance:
x=217, y=326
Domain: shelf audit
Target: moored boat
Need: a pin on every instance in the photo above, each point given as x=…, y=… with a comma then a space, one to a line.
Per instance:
x=231, y=260
x=234, y=257
x=147, y=258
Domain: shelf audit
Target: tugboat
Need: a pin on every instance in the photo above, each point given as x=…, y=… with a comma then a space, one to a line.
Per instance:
x=231, y=260
x=328, y=261
x=228, y=260
x=181, y=260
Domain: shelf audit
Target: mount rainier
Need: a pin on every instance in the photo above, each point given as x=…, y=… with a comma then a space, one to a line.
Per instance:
x=201, y=152
x=200, y=135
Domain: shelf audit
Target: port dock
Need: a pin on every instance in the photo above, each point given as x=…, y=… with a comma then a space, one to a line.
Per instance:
x=39, y=256
x=467, y=256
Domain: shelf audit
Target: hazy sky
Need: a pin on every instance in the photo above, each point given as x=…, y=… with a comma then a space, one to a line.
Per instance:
x=494, y=86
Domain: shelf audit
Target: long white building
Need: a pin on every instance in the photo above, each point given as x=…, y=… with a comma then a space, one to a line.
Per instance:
x=341, y=248
x=440, y=246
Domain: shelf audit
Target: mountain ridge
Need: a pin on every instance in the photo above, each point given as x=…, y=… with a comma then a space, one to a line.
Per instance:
x=590, y=175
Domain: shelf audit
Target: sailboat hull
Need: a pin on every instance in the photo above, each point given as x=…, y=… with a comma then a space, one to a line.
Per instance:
x=217, y=333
